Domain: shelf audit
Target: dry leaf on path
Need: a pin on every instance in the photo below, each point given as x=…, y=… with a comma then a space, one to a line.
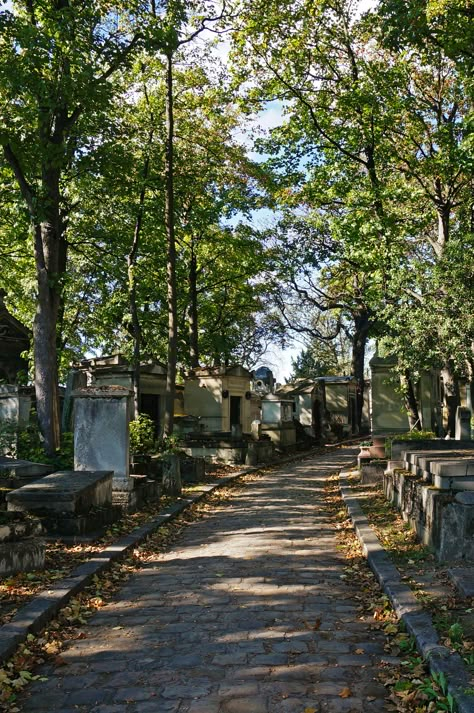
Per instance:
x=345, y=693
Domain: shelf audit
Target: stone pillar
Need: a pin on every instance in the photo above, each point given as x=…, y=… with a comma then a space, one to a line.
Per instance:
x=251, y=457
x=463, y=424
x=256, y=430
x=101, y=432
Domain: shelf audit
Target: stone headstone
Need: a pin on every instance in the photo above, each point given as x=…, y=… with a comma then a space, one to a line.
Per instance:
x=256, y=430
x=463, y=424
x=101, y=432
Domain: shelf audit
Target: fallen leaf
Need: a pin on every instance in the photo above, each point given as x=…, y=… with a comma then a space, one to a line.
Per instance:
x=345, y=693
x=310, y=710
x=359, y=651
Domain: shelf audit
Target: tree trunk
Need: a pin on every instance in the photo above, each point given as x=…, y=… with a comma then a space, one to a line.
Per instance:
x=132, y=287
x=50, y=256
x=193, y=313
x=451, y=397
x=359, y=342
x=171, y=253
x=411, y=403
x=136, y=335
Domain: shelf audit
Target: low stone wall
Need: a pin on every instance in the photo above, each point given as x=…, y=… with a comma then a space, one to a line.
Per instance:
x=443, y=519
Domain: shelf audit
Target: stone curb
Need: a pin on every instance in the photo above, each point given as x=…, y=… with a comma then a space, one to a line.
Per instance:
x=32, y=617
x=417, y=621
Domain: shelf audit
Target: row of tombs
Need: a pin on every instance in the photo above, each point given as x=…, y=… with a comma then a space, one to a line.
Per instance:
x=220, y=399
x=222, y=413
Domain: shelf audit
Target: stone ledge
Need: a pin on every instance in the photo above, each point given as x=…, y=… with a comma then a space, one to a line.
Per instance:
x=406, y=606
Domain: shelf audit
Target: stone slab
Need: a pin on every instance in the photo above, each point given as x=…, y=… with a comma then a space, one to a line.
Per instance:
x=17, y=468
x=65, y=491
x=453, y=468
x=453, y=482
x=463, y=580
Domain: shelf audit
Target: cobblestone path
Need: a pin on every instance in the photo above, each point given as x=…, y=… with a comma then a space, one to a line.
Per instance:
x=225, y=621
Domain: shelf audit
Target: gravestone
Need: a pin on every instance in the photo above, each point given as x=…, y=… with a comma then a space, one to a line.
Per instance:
x=101, y=432
x=463, y=424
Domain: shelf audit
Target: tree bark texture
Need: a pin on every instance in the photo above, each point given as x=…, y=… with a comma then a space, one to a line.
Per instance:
x=193, y=313
x=359, y=343
x=411, y=403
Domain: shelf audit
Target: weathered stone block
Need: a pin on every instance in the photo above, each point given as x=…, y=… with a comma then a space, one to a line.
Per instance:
x=21, y=556
x=372, y=472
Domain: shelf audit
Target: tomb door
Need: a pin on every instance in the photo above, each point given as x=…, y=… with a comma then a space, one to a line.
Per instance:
x=235, y=410
x=150, y=405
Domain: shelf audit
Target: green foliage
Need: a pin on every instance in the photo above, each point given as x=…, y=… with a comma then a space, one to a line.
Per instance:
x=142, y=435
x=169, y=444
x=28, y=444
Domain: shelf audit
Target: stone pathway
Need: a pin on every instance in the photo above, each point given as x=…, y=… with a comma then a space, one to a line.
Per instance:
x=247, y=614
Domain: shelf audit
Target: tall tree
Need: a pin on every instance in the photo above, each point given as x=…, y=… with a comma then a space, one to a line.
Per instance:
x=56, y=67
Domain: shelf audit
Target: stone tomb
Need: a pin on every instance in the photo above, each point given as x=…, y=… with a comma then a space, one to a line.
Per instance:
x=434, y=491
x=447, y=470
x=21, y=548
x=69, y=503
x=20, y=472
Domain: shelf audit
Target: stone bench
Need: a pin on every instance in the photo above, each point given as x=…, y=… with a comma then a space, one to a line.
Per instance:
x=68, y=502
